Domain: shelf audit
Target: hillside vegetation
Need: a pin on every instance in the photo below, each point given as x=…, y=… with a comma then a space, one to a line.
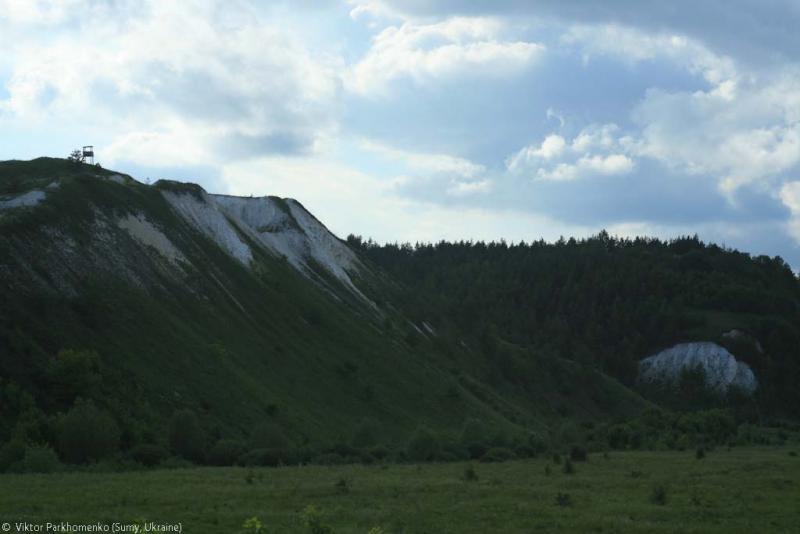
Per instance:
x=157, y=321
x=608, y=302
x=158, y=325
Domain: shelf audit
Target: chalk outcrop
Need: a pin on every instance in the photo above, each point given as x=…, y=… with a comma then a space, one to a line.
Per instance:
x=722, y=370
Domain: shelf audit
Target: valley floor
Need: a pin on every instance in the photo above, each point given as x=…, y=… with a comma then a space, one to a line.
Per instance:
x=740, y=490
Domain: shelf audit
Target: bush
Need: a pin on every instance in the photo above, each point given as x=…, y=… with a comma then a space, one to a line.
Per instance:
x=175, y=462
x=11, y=453
x=577, y=454
x=474, y=438
x=659, y=495
x=330, y=458
x=524, y=451
x=423, y=446
x=366, y=435
x=39, y=459
x=267, y=457
x=537, y=442
x=563, y=499
x=268, y=435
x=380, y=453
x=74, y=373
x=87, y=434
x=312, y=519
x=497, y=454
x=569, y=469
x=149, y=454
x=226, y=452
x=470, y=475
x=186, y=438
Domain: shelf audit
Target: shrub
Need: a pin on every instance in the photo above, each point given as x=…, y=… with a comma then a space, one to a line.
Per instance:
x=175, y=462
x=11, y=453
x=74, y=373
x=186, y=438
x=253, y=524
x=366, y=435
x=473, y=438
x=380, y=453
x=659, y=495
x=342, y=486
x=268, y=457
x=226, y=452
x=563, y=499
x=569, y=469
x=330, y=458
x=312, y=518
x=268, y=435
x=569, y=432
x=537, y=442
x=87, y=434
x=149, y=454
x=39, y=459
x=423, y=446
x=497, y=454
x=470, y=475
x=577, y=454
x=524, y=451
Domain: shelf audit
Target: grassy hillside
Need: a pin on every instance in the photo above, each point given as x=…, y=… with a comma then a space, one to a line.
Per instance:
x=91, y=313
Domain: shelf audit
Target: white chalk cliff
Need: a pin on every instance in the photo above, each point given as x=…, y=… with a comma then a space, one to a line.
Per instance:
x=721, y=368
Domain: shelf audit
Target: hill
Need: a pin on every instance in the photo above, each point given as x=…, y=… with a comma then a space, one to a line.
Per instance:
x=145, y=301
x=609, y=302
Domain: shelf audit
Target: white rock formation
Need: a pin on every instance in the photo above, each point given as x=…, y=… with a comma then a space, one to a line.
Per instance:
x=721, y=369
x=147, y=234
x=204, y=214
x=27, y=199
x=283, y=227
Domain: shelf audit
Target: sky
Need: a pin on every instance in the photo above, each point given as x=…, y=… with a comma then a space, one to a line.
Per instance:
x=423, y=120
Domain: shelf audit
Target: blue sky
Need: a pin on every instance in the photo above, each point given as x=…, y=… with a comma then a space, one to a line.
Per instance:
x=438, y=119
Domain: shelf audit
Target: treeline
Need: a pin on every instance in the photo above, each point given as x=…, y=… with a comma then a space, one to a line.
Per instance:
x=606, y=301
x=90, y=437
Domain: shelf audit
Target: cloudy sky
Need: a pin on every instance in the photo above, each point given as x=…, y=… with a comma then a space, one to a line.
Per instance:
x=428, y=119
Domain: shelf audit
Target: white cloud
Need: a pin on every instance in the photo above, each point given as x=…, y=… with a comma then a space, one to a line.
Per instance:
x=633, y=45
x=790, y=196
x=426, y=52
x=210, y=79
x=348, y=200
x=596, y=150
x=461, y=177
x=433, y=163
x=742, y=129
x=750, y=138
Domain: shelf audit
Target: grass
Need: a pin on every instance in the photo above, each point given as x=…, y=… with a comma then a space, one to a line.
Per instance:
x=743, y=490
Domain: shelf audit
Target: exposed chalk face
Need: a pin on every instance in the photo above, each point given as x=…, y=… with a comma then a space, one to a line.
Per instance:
x=27, y=199
x=204, y=214
x=721, y=368
x=283, y=227
x=147, y=234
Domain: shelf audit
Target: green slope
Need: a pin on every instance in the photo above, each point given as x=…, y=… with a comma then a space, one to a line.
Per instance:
x=238, y=345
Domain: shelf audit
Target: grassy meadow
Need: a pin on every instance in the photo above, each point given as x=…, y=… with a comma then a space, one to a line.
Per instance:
x=739, y=490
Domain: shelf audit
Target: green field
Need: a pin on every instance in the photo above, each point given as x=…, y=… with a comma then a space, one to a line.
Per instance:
x=741, y=490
